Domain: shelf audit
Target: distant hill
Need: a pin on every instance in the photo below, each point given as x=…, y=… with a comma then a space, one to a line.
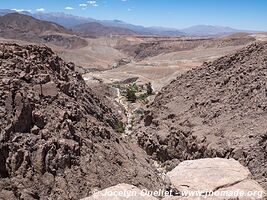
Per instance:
x=97, y=29
x=6, y=11
x=23, y=27
x=161, y=31
x=17, y=24
x=66, y=20
x=208, y=30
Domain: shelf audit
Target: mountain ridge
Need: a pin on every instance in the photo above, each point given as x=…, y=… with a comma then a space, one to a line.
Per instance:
x=24, y=27
x=97, y=29
x=70, y=21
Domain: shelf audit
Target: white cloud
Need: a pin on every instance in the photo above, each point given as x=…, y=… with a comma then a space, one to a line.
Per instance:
x=83, y=5
x=69, y=8
x=40, y=9
x=20, y=10
x=92, y=3
x=87, y=4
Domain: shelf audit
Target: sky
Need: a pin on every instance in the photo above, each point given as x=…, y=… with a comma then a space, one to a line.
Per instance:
x=240, y=14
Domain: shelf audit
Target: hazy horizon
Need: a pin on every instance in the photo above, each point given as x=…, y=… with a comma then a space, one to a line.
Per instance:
x=242, y=15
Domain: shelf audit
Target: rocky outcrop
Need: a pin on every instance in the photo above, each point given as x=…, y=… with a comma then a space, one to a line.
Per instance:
x=57, y=138
x=217, y=110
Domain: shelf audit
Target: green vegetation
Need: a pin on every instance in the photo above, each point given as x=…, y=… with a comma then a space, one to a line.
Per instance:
x=143, y=98
x=116, y=85
x=134, y=92
x=131, y=93
x=119, y=127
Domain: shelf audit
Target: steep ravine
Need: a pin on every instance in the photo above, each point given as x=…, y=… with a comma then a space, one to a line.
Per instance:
x=131, y=127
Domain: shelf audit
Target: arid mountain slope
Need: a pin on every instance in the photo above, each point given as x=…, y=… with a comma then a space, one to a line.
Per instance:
x=219, y=109
x=95, y=29
x=148, y=47
x=24, y=27
x=58, y=137
x=24, y=23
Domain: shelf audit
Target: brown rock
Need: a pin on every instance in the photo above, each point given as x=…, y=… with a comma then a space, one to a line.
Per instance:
x=45, y=134
x=62, y=115
x=37, y=89
x=49, y=89
x=35, y=129
x=23, y=115
x=9, y=102
x=148, y=120
x=39, y=119
x=43, y=78
x=48, y=179
x=7, y=195
x=5, y=81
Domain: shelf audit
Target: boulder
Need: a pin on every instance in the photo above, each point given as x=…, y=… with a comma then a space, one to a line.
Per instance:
x=49, y=89
x=120, y=192
x=214, y=176
x=207, y=174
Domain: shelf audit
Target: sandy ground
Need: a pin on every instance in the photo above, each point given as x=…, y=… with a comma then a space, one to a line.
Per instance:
x=99, y=54
x=160, y=70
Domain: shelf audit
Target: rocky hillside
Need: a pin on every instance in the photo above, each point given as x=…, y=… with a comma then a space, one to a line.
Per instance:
x=157, y=46
x=217, y=110
x=23, y=27
x=58, y=137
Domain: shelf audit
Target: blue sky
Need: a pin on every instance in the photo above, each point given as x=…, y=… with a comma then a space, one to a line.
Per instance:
x=241, y=14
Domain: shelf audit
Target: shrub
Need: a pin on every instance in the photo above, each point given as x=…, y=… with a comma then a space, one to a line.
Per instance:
x=119, y=127
x=131, y=92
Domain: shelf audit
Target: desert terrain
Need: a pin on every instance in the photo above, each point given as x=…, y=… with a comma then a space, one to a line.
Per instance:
x=84, y=112
x=176, y=56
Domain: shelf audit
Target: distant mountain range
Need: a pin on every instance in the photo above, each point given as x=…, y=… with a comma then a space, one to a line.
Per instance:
x=72, y=22
x=96, y=29
x=207, y=30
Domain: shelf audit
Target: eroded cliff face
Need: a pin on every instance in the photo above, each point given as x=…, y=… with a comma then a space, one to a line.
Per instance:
x=57, y=135
x=217, y=110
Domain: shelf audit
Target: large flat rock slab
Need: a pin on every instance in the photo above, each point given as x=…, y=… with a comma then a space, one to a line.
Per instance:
x=207, y=174
x=121, y=192
x=214, y=179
